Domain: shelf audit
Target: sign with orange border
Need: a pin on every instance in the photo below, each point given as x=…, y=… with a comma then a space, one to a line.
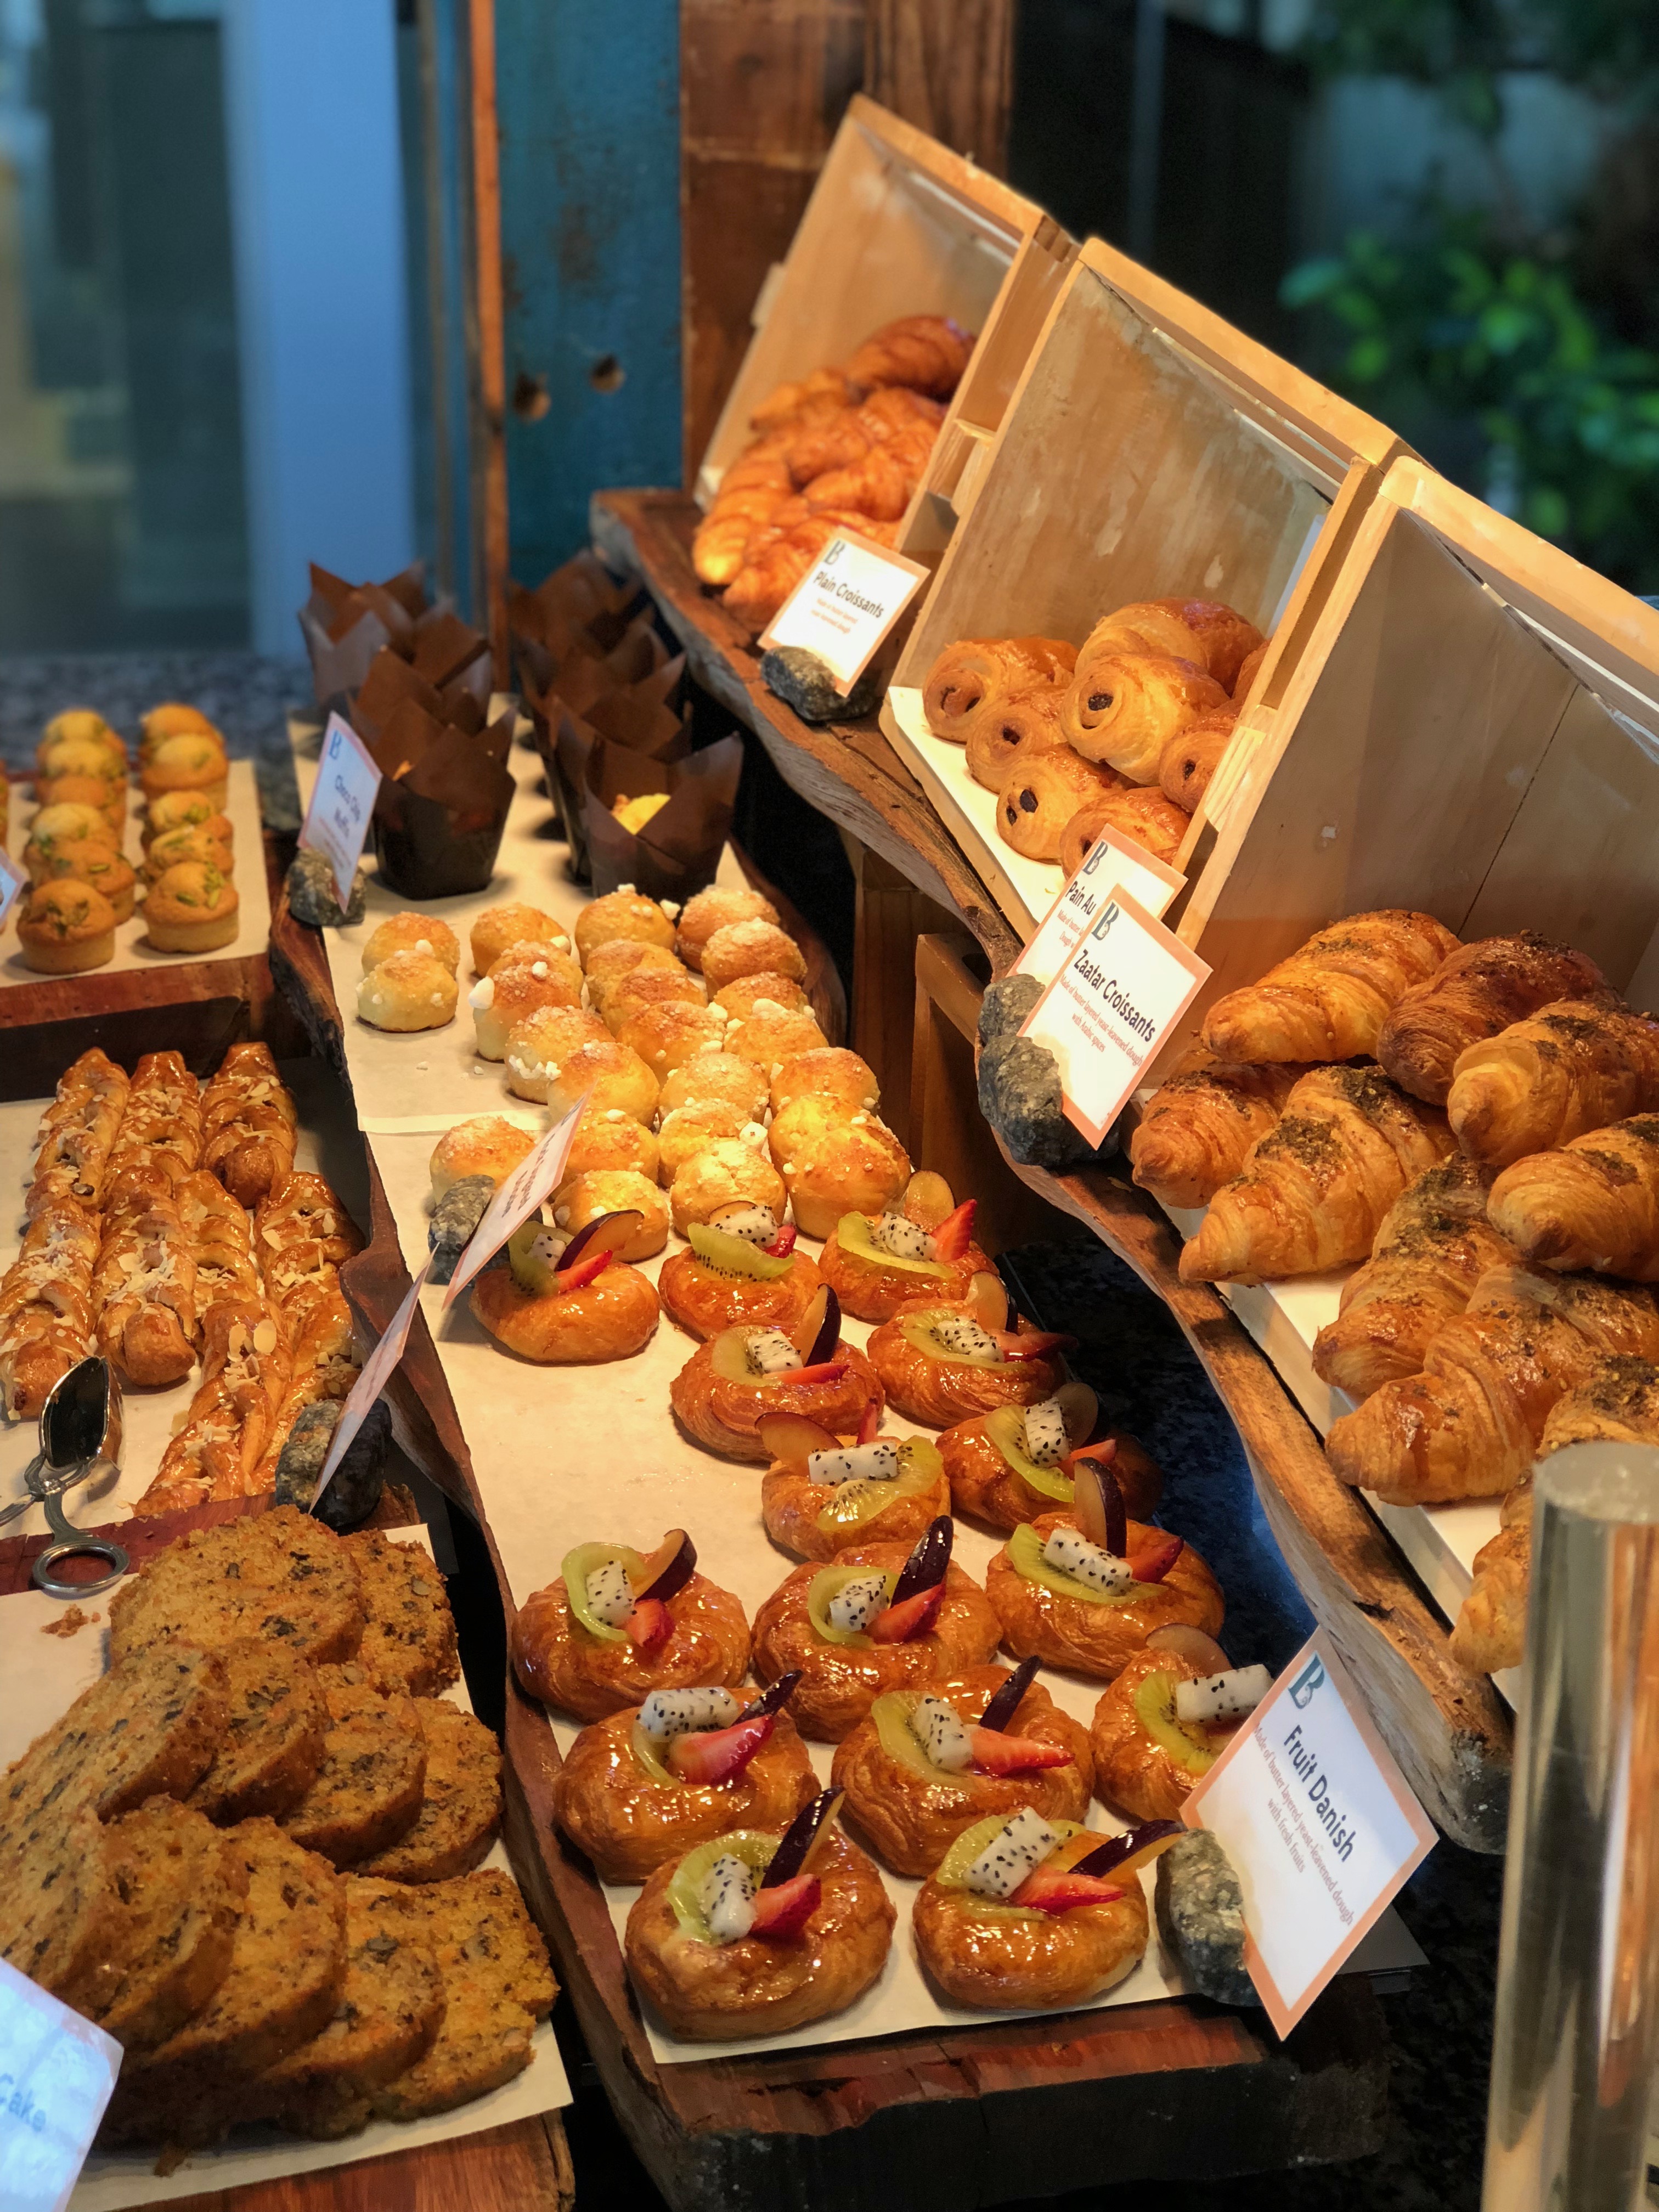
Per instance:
x=1112, y=863
x=1320, y=1824
x=1126, y=984
x=844, y=608
x=341, y=802
x=12, y=880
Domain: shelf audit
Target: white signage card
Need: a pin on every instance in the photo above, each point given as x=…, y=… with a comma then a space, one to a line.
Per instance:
x=1126, y=984
x=12, y=880
x=538, y=1173
x=57, y=2074
x=376, y=1373
x=1319, y=1823
x=1112, y=863
x=342, y=801
x=845, y=604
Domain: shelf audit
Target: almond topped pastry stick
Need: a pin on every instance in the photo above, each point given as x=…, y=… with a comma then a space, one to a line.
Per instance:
x=159, y=1142
x=248, y=1124
x=246, y=1369
x=77, y=1132
x=46, y=1305
x=145, y=1288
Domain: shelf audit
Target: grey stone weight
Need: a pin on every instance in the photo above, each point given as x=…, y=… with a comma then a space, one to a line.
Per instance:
x=1200, y=1915
x=312, y=894
x=355, y=1489
x=1019, y=1092
x=1007, y=1003
x=454, y=1217
x=802, y=681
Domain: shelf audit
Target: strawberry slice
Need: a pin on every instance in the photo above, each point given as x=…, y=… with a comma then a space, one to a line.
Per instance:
x=1153, y=1565
x=1057, y=1889
x=997, y=1753
x=784, y=1910
x=869, y=1423
x=586, y=1270
x=709, y=1755
x=783, y=1244
x=827, y=1371
x=1031, y=1343
x=956, y=1232
x=910, y=1618
x=650, y=1623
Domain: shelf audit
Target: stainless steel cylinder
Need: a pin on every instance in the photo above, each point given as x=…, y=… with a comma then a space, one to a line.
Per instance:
x=1576, y=2034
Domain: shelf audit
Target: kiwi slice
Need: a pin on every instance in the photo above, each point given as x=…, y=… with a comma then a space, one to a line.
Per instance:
x=917, y=1329
x=587, y=1560
x=823, y=1588
x=852, y=1503
x=644, y=1749
x=1154, y=1708
x=891, y=1715
x=752, y=1846
x=1025, y=1557
x=735, y=1256
x=853, y=1235
x=1006, y=1427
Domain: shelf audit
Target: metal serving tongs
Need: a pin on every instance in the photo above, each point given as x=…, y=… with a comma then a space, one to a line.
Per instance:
x=80, y=1440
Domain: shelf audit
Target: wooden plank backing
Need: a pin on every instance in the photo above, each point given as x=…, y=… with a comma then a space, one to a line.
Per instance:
x=948, y=68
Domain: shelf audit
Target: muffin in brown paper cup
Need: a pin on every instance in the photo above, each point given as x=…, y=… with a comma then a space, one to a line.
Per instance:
x=678, y=851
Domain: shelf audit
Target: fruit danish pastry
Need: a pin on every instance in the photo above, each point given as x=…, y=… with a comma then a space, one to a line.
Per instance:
x=944, y=1361
x=614, y=1625
x=653, y=1781
x=921, y=1247
x=47, y=1306
x=742, y=1269
x=1016, y=1461
x=878, y=1618
x=760, y=1931
x=145, y=1291
x=1166, y=1719
x=1030, y=1914
x=820, y=1492
x=248, y=1124
x=730, y=1383
x=77, y=1133
x=925, y=1765
x=568, y=1301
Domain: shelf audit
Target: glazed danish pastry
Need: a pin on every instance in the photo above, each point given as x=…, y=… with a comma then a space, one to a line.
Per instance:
x=608, y=1315
x=1147, y=1756
x=599, y=1636
x=731, y=1382
x=820, y=1494
x=1095, y=1625
x=729, y=1278
x=941, y=1364
x=1015, y=1462
x=921, y=1247
x=911, y=1805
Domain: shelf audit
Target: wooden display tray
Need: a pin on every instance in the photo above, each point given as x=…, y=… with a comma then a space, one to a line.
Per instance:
x=1177, y=2088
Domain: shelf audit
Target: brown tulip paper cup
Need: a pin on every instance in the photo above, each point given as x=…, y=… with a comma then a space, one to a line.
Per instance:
x=442, y=804
x=679, y=849
x=345, y=625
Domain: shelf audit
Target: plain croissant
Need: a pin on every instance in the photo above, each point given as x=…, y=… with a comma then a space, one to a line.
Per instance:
x=1593, y=1204
x=1313, y=1194
x=1433, y=1247
x=1569, y=1068
x=1491, y=1628
x=1329, y=1000
x=1476, y=991
x=1469, y=1425
x=1201, y=1122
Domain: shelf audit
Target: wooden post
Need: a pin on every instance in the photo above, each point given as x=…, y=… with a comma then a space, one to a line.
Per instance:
x=889, y=914
x=947, y=66
x=489, y=413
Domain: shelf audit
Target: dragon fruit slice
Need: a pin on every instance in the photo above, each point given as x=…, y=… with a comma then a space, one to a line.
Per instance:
x=1018, y=1846
x=937, y=1728
x=904, y=1238
x=728, y=1898
x=755, y=1225
x=668, y=1713
x=869, y=1462
x=1225, y=1697
x=1046, y=1441
x=609, y=1594
x=857, y=1603
x=1084, y=1562
x=961, y=1332
x=770, y=1353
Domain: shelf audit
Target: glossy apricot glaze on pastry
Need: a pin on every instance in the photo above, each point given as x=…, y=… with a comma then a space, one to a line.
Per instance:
x=721, y=1393
x=878, y=1618
x=822, y=1493
x=1084, y=1589
x=568, y=1302
x=922, y=1247
x=1162, y=1725
x=757, y=1932
x=925, y=1765
x=613, y=1626
x=1016, y=1461
x=944, y=1361
x=653, y=1781
x=742, y=1268
x=1031, y=1914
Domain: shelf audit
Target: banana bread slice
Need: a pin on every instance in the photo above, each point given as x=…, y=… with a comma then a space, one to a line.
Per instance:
x=182, y=1886
x=368, y=1789
x=409, y=1642
x=279, y=1575
x=461, y=1804
x=59, y=1913
x=273, y=1746
x=149, y=1727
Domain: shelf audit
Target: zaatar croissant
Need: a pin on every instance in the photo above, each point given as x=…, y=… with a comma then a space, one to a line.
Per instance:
x=1329, y=1000
x=1201, y=1123
x=1470, y=1423
x=923, y=353
x=1569, y=1068
x=1490, y=1631
x=1123, y=709
x=1433, y=1247
x=1593, y=1204
x=1477, y=991
x=976, y=672
x=1312, y=1195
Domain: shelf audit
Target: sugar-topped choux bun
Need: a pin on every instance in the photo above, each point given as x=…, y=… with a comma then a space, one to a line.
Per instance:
x=485, y=1143
x=191, y=908
x=740, y=998
x=540, y=1043
x=110, y=798
x=581, y=1198
x=171, y=718
x=196, y=842
x=688, y=1130
x=829, y=1073
x=85, y=861
x=516, y=987
x=623, y=914
x=500, y=926
x=187, y=763
x=774, y=1033
x=610, y=1073
x=65, y=927
x=186, y=810
x=408, y=991
x=619, y=1000
x=412, y=932
x=606, y=964
x=723, y=1075
x=834, y=1165
x=717, y=908
x=608, y=1137
x=750, y=948
x=728, y=1172
x=666, y=1037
